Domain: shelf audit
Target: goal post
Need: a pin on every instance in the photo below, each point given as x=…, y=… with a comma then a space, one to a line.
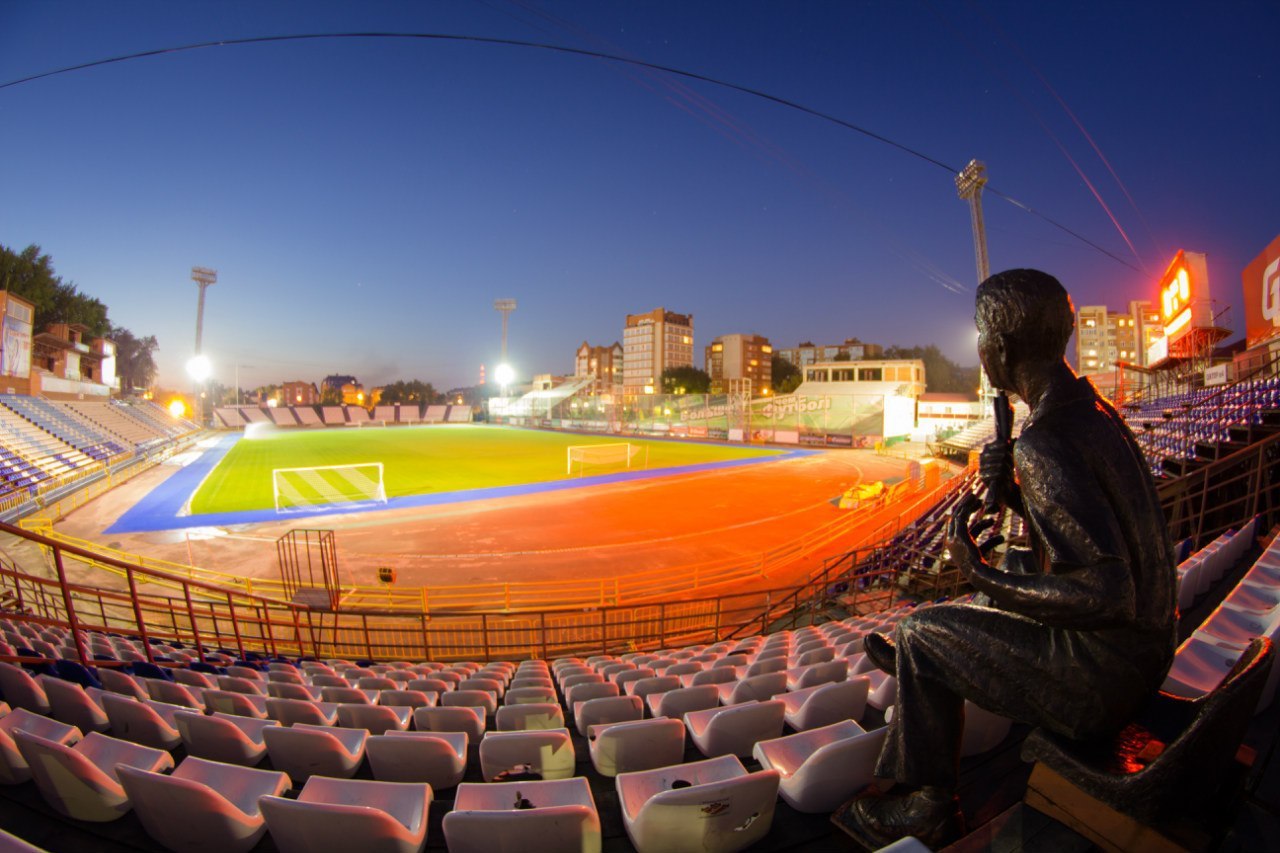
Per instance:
x=613, y=456
x=296, y=489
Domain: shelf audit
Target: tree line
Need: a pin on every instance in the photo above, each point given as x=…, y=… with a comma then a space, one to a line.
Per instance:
x=30, y=275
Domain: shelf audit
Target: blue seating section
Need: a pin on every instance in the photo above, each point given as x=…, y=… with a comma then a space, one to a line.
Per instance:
x=63, y=425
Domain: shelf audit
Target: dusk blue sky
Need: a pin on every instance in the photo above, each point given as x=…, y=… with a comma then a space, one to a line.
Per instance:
x=365, y=201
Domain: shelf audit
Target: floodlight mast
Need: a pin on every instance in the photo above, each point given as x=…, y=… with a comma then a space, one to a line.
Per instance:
x=969, y=184
x=204, y=278
x=504, y=307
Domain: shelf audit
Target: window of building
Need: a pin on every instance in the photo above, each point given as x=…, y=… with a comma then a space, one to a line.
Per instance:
x=843, y=375
x=815, y=375
x=870, y=374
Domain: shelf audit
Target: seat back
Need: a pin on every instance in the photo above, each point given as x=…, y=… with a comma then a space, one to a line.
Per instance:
x=69, y=782
x=301, y=827
x=568, y=827
x=725, y=816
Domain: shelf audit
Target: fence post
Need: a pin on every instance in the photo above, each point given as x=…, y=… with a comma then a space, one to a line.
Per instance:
x=137, y=608
x=484, y=635
x=72, y=621
x=235, y=624
x=542, y=621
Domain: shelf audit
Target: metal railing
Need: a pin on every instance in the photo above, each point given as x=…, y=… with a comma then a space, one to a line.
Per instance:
x=204, y=617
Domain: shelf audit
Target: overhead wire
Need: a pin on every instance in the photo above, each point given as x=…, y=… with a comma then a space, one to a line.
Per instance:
x=564, y=49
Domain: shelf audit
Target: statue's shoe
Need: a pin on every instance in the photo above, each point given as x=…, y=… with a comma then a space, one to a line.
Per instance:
x=877, y=820
x=882, y=651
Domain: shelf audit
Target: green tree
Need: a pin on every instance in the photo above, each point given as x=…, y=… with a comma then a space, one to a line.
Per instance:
x=786, y=376
x=330, y=396
x=685, y=380
x=940, y=372
x=30, y=274
x=135, y=359
x=413, y=391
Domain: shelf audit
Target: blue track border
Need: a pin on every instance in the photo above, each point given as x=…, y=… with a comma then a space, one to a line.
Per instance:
x=160, y=508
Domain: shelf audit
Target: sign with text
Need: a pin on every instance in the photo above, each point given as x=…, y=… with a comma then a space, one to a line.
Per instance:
x=1261, y=279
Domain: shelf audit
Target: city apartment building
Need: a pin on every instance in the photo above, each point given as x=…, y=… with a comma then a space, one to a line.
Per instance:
x=652, y=343
x=852, y=349
x=1104, y=337
x=731, y=357
x=604, y=363
x=299, y=393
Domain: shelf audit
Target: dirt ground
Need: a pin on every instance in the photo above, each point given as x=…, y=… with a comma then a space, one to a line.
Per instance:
x=595, y=531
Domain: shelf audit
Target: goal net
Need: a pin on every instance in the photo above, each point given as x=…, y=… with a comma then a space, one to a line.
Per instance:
x=598, y=458
x=299, y=489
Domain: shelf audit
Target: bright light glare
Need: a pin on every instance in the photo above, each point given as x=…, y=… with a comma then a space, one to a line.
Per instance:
x=199, y=368
x=177, y=408
x=504, y=374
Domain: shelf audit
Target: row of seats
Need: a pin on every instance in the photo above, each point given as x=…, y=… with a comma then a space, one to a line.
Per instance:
x=233, y=417
x=1251, y=609
x=732, y=700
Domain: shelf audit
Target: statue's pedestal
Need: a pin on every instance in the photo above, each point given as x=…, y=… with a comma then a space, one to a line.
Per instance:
x=1113, y=831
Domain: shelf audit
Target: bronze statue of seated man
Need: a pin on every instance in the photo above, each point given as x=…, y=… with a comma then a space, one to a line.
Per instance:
x=1074, y=633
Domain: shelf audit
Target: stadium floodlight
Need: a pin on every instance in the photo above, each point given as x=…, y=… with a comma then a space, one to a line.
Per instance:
x=199, y=368
x=177, y=408
x=505, y=375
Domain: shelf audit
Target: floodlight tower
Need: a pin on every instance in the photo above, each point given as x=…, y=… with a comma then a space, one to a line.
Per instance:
x=504, y=307
x=198, y=366
x=969, y=184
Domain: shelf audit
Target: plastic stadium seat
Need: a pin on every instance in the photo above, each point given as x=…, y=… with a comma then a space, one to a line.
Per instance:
x=74, y=705
x=533, y=694
x=349, y=695
x=483, y=699
x=287, y=690
x=288, y=712
x=573, y=679
x=115, y=681
x=305, y=750
x=1198, y=667
x=80, y=781
x=983, y=730
x=191, y=678
x=13, y=767
x=223, y=737
x=525, y=681
x=816, y=673
x=825, y=704
x=683, y=669
x=290, y=676
x=822, y=767
x=642, y=687
x=460, y=719
x=558, y=817
x=529, y=716
x=590, y=690
x=822, y=654
x=148, y=723
x=375, y=719
x=175, y=694
x=637, y=745
x=884, y=690
x=22, y=691
x=757, y=688
x=245, y=672
x=375, y=682
x=494, y=685
x=234, y=684
x=677, y=703
x=622, y=679
x=734, y=729
x=436, y=758
x=766, y=666
x=328, y=679
x=660, y=818
x=203, y=806
x=429, y=685
x=548, y=752
x=606, y=709
x=239, y=704
x=409, y=698
x=716, y=675
x=350, y=814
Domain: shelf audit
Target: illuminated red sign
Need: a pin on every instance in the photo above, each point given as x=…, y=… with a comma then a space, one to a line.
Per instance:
x=1183, y=288
x=1262, y=295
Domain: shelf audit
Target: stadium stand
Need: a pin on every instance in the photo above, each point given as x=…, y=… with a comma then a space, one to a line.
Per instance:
x=282, y=416
x=459, y=415
x=229, y=417
x=254, y=415
x=435, y=414
x=356, y=414
x=387, y=414
x=333, y=415
x=306, y=415
x=409, y=413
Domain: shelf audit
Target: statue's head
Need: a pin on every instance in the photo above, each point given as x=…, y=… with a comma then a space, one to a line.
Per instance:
x=1025, y=318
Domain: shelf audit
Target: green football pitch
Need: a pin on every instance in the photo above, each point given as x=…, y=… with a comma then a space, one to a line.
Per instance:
x=420, y=460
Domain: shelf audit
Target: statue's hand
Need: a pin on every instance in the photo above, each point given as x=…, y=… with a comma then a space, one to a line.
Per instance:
x=961, y=551
x=995, y=469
